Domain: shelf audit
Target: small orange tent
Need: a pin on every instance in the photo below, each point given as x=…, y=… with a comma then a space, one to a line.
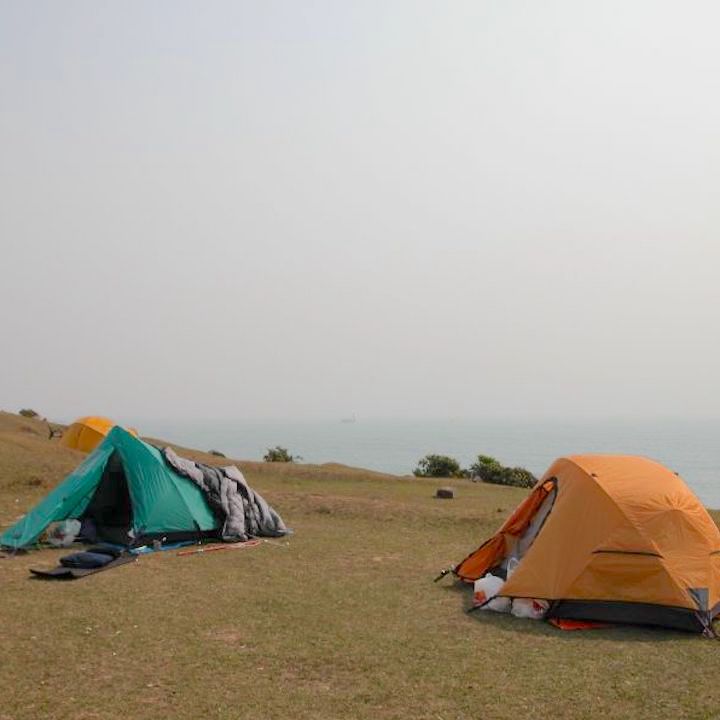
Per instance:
x=86, y=433
x=609, y=538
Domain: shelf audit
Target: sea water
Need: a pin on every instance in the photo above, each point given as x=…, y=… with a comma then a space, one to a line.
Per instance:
x=689, y=447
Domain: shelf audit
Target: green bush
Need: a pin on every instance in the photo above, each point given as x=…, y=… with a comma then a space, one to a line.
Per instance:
x=280, y=454
x=490, y=470
x=522, y=477
x=28, y=413
x=438, y=466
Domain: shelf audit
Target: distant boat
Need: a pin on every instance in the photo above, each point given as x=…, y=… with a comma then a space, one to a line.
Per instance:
x=352, y=419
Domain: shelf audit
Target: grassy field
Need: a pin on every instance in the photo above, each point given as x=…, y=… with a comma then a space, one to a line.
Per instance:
x=340, y=621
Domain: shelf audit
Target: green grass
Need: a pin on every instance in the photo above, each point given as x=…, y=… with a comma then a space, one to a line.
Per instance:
x=340, y=621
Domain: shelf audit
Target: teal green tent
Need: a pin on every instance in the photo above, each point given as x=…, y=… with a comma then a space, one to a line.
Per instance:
x=128, y=491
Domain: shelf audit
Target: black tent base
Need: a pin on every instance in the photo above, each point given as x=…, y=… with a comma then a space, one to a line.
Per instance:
x=66, y=573
x=628, y=613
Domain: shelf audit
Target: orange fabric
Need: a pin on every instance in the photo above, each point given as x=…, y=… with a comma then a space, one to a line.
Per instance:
x=87, y=433
x=517, y=523
x=492, y=552
x=578, y=624
x=485, y=557
x=621, y=528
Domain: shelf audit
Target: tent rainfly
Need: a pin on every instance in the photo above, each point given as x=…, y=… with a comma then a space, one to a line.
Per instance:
x=87, y=433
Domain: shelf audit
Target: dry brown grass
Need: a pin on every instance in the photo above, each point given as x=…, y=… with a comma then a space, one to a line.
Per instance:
x=342, y=621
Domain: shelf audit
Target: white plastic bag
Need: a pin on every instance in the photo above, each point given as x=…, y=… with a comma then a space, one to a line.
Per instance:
x=63, y=534
x=529, y=608
x=498, y=604
x=486, y=588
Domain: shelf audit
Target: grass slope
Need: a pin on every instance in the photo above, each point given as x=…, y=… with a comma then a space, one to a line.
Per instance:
x=342, y=621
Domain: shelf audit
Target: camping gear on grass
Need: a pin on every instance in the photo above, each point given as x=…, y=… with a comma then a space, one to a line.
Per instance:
x=486, y=588
x=244, y=512
x=86, y=559
x=215, y=548
x=577, y=624
x=529, y=608
x=485, y=594
x=609, y=538
x=86, y=433
x=134, y=497
x=80, y=564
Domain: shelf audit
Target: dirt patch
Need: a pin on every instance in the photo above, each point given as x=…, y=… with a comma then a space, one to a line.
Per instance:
x=230, y=636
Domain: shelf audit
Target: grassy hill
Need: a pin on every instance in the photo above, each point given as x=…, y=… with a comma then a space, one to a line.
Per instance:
x=340, y=621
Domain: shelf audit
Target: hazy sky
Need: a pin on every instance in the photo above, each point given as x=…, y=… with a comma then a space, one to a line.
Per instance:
x=308, y=209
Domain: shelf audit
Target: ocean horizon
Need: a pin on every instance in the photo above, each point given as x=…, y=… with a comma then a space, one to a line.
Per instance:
x=689, y=447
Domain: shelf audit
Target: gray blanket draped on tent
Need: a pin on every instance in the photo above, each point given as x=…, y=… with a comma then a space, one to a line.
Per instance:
x=243, y=511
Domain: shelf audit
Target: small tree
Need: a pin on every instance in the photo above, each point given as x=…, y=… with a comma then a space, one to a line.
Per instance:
x=490, y=470
x=28, y=413
x=280, y=454
x=440, y=466
x=521, y=477
x=487, y=469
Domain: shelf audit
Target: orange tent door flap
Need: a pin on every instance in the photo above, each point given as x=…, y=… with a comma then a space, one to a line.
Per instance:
x=496, y=548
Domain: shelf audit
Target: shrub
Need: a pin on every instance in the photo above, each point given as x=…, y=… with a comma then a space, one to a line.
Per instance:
x=522, y=477
x=490, y=470
x=280, y=454
x=438, y=466
x=28, y=413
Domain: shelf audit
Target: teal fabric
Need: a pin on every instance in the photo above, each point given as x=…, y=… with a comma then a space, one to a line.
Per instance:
x=67, y=500
x=162, y=500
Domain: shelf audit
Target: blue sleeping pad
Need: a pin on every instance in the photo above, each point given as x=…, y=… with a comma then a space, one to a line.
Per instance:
x=86, y=560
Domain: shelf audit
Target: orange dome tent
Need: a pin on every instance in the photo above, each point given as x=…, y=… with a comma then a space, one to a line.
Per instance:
x=609, y=538
x=86, y=433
